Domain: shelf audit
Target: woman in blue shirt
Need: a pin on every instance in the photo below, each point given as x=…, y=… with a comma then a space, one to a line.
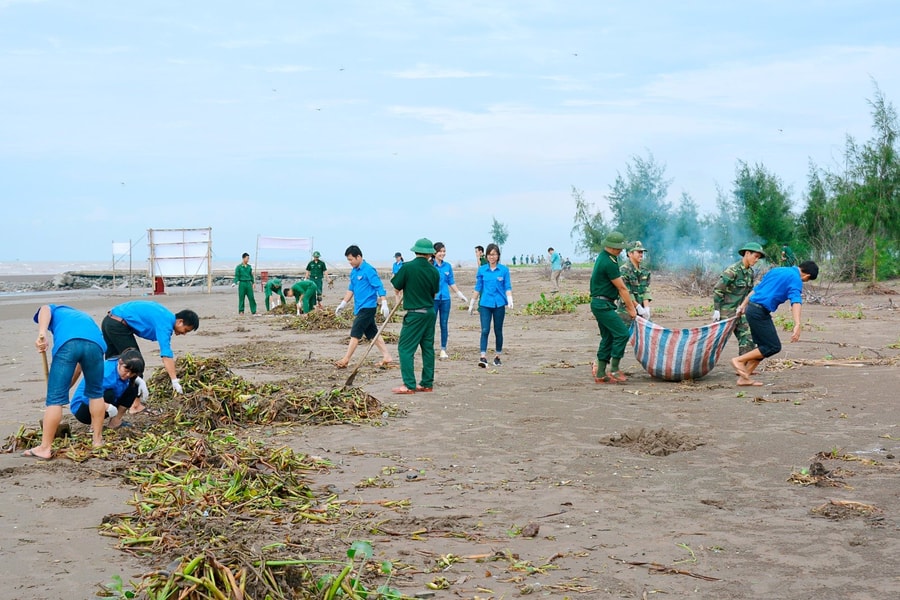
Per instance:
x=493, y=293
x=120, y=387
x=442, y=304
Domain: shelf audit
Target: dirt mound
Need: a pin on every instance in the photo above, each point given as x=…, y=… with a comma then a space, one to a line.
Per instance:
x=655, y=442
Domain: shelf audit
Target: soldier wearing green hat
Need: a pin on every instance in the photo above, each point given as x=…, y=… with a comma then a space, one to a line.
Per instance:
x=734, y=284
x=419, y=281
x=315, y=271
x=607, y=287
x=637, y=280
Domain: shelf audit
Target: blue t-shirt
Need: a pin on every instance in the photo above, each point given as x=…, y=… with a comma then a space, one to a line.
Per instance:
x=67, y=323
x=396, y=267
x=150, y=321
x=555, y=262
x=492, y=285
x=778, y=285
x=111, y=381
x=446, y=272
x=366, y=286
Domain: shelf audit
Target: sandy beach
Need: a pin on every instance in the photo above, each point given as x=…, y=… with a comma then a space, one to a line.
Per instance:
x=724, y=513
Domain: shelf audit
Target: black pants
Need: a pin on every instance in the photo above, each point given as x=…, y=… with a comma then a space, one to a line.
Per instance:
x=118, y=337
x=83, y=414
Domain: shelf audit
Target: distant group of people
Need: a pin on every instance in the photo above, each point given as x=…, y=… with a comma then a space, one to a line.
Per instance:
x=106, y=359
x=620, y=293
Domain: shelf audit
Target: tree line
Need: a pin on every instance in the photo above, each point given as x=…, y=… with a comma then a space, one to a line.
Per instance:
x=849, y=221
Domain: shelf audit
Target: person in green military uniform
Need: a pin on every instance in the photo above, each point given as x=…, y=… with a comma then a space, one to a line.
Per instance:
x=788, y=258
x=637, y=281
x=734, y=284
x=305, y=290
x=419, y=281
x=606, y=288
x=243, y=278
x=315, y=271
x=273, y=286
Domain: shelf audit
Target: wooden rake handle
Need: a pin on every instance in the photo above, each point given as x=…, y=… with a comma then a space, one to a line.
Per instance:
x=372, y=343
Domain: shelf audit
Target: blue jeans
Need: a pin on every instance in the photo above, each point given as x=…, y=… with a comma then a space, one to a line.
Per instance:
x=442, y=308
x=497, y=314
x=74, y=352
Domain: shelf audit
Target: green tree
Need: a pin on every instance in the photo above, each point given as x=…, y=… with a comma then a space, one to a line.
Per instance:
x=499, y=233
x=868, y=194
x=727, y=227
x=638, y=203
x=812, y=220
x=766, y=206
x=589, y=227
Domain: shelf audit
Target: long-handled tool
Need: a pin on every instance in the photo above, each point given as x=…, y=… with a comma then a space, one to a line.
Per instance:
x=46, y=364
x=350, y=379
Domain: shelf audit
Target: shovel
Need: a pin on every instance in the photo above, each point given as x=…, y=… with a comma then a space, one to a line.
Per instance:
x=353, y=373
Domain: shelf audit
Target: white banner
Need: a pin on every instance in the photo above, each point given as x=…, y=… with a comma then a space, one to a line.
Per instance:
x=121, y=248
x=284, y=243
x=180, y=252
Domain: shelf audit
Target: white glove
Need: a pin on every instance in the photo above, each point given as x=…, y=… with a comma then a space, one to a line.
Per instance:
x=471, y=305
x=647, y=308
x=177, y=386
x=509, y=301
x=715, y=316
x=143, y=392
x=642, y=311
x=340, y=307
x=385, y=311
x=462, y=296
x=298, y=308
x=233, y=285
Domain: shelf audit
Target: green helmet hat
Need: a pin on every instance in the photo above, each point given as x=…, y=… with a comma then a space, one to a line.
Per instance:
x=636, y=246
x=316, y=254
x=614, y=240
x=423, y=246
x=752, y=247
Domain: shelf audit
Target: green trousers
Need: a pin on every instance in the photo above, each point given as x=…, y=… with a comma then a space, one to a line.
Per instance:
x=245, y=290
x=309, y=302
x=417, y=332
x=613, y=332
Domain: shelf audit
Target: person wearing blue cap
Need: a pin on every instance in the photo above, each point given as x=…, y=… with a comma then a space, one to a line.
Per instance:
x=78, y=348
x=398, y=262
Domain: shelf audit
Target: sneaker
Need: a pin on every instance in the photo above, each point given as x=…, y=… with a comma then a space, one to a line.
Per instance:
x=482, y=362
x=497, y=362
x=444, y=354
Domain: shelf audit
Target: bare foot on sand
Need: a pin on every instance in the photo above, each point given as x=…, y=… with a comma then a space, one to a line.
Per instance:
x=341, y=364
x=739, y=367
x=746, y=381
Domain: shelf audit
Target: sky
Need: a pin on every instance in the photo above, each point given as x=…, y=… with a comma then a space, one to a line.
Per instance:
x=376, y=123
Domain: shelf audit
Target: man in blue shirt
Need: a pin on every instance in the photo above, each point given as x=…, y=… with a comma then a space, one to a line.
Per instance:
x=365, y=290
x=150, y=321
x=776, y=286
